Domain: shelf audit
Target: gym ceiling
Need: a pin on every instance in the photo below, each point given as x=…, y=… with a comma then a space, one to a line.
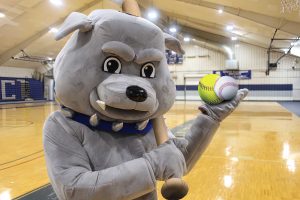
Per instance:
x=29, y=24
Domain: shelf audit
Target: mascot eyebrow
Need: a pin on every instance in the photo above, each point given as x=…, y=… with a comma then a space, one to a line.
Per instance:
x=127, y=53
x=149, y=55
x=120, y=49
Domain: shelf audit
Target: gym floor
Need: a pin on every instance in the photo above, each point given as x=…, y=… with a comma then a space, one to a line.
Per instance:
x=252, y=156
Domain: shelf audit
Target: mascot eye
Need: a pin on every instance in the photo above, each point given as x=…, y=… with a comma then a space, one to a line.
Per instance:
x=112, y=65
x=148, y=70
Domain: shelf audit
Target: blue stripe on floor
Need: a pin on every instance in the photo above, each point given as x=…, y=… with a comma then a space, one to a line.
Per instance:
x=292, y=106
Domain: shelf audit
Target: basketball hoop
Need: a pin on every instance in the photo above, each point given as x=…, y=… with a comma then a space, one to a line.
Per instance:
x=290, y=5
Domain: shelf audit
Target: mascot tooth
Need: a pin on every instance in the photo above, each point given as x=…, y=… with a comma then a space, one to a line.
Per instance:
x=142, y=125
x=94, y=120
x=101, y=104
x=116, y=126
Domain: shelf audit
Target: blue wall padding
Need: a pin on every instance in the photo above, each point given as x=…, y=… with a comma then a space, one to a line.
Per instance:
x=11, y=89
x=188, y=87
x=268, y=87
x=263, y=87
x=36, y=89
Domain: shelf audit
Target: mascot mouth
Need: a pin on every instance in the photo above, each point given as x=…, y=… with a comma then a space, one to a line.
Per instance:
x=110, y=109
x=121, y=112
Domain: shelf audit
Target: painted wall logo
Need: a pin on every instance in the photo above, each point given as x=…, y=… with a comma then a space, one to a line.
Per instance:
x=19, y=89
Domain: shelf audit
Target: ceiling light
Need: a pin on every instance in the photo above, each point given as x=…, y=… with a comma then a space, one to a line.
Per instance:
x=238, y=32
x=152, y=15
x=295, y=51
x=56, y=2
x=186, y=39
x=295, y=43
x=285, y=51
x=53, y=30
x=233, y=38
x=229, y=27
x=2, y=15
x=220, y=11
x=173, y=30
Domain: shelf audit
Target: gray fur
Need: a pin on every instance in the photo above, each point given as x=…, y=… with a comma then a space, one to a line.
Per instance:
x=149, y=55
x=96, y=165
x=109, y=25
x=118, y=48
x=74, y=21
x=173, y=44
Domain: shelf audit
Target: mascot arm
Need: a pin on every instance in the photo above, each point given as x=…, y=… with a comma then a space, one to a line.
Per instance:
x=197, y=139
x=204, y=128
x=72, y=176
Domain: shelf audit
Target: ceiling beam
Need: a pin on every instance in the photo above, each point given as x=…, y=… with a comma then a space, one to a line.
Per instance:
x=208, y=36
x=274, y=22
x=204, y=26
x=215, y=28
x=4, y=57
x=200, y=41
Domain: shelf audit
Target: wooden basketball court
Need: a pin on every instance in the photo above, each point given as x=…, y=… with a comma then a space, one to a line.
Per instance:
x=254, y=155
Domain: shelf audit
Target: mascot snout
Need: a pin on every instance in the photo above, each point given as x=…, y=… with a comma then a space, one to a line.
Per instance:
x=121, y=94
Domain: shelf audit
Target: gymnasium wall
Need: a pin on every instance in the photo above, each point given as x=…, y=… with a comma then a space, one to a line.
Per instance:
x=16, y=84
x=282, y=84
x=16, y=72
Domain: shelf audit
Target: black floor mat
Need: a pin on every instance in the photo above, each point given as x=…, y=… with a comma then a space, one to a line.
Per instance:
x=43, y=193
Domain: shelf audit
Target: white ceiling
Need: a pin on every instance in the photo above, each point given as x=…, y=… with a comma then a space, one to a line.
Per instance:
x=27, y=22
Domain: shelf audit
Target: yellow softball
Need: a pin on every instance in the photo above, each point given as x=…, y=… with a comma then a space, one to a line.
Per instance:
x=206, y=89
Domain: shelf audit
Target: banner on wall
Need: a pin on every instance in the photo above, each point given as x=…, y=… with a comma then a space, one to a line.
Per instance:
x=173, y=58
x=236, y=74
x=19, y=89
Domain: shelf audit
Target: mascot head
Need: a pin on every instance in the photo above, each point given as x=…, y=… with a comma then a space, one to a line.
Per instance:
x=114, y=67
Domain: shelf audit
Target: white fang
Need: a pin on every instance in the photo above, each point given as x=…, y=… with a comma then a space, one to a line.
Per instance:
x=94, y=121
x=101, y=104
x=116, y=126
x=142, y=125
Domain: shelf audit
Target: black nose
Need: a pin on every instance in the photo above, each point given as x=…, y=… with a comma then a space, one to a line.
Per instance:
x=136, y=93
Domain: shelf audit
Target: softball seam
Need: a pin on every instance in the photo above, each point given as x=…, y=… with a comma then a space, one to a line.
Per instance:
x=225, y=85
x=208, y=88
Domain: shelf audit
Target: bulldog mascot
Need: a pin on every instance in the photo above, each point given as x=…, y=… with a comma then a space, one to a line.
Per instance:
x=112, y=80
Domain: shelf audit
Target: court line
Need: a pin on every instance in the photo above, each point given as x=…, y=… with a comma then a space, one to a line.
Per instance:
x=17, y=105
x=21, y=157
x=246, y=158
x=14, y=126
x=22, y=107
x=21, y=163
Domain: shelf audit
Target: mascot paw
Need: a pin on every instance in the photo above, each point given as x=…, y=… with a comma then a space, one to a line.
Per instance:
x=220, y=111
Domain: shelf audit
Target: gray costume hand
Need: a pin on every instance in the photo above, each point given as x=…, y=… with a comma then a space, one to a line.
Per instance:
x=221, y=111
x=167, y=161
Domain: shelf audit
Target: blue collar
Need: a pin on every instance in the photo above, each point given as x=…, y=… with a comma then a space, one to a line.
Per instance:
x=128, y=128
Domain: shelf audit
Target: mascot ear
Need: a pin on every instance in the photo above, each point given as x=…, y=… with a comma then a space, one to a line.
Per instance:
x=173, y=44
x=73, y=22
